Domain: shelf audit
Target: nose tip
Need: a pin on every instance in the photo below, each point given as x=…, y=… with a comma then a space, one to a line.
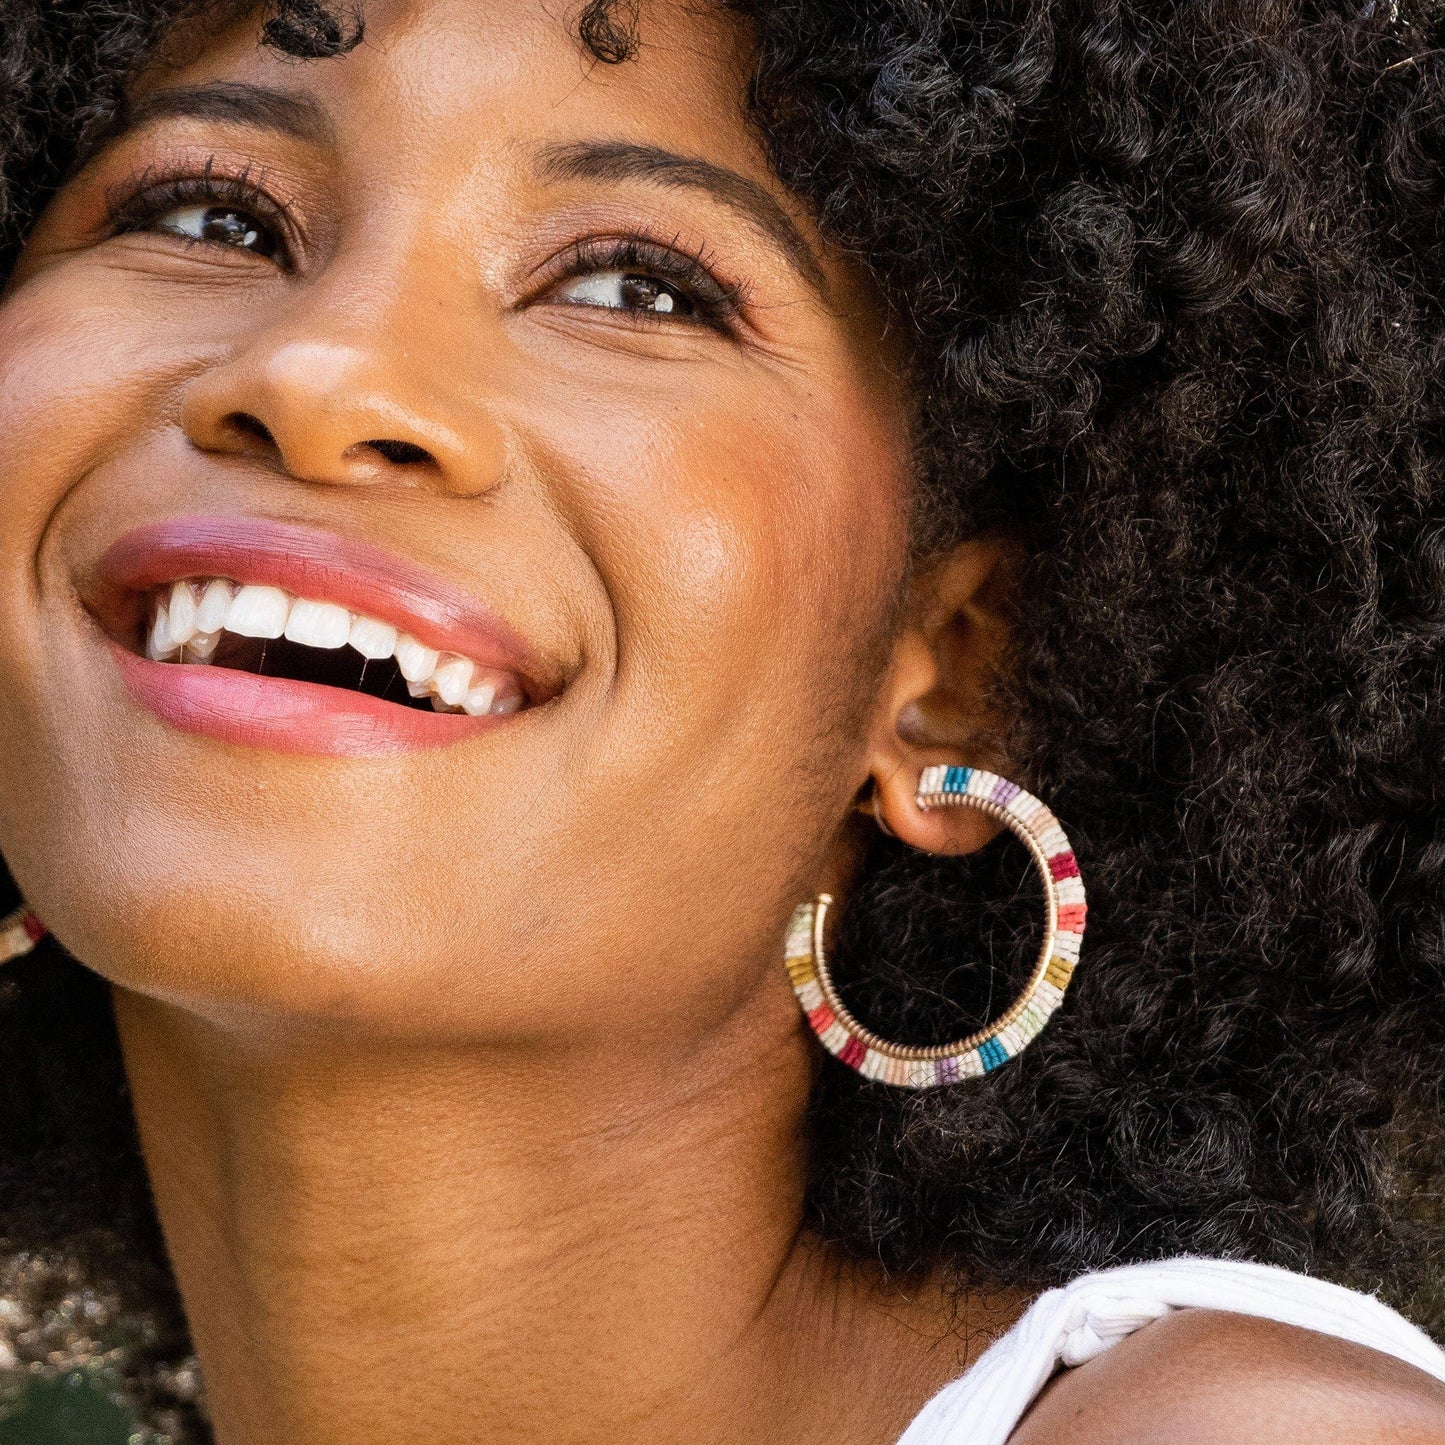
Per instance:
x=338, y=413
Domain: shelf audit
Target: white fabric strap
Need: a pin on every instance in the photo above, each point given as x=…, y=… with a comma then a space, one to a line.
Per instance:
x=1075, y=1324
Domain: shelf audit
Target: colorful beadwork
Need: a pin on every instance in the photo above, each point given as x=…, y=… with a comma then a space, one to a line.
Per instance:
x=19, y=933
x=1065, y=911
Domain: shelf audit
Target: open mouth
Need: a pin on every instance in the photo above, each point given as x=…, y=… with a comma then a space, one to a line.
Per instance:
x=286, y=638
x=268, y=632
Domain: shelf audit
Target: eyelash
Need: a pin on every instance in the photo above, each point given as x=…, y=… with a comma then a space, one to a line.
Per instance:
x=692, y=272
x=147, y=197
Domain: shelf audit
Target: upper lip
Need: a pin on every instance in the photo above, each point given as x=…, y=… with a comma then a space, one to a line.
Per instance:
x=308, y=562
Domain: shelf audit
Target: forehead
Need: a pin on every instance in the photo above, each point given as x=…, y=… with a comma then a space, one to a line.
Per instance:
x=460, y=77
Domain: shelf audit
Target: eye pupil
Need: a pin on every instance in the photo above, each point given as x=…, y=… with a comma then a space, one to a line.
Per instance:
x=232, y=228
x=646, y=293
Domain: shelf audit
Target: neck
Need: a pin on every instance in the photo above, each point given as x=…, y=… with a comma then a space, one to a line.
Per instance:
x=391, y=1242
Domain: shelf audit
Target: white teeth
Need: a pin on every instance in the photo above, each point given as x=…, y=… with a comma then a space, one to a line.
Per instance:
x=452, y=680
x=182, y=625
x=478, y=702
x=191, y=615
x=258, y=612
x=415, y=661
x=215, y=602
x=318, y=624
x=158, y=644
x=373, y=640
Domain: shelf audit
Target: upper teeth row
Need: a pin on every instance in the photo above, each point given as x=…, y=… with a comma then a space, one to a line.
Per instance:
x=189, y=619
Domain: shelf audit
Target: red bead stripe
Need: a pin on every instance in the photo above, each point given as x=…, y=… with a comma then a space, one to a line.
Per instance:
x=1063, y=865
x=822, y=1019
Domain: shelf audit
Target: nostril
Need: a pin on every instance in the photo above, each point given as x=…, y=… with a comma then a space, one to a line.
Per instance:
x=402, y=453
x=250, y=426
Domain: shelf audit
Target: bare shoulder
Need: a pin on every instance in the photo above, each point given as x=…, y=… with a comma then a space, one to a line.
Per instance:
x=1205, y=1378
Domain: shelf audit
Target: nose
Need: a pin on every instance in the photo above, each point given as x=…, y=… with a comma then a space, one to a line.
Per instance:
x=331, y=407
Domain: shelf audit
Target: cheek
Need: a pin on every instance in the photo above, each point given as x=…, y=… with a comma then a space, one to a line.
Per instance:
x=79, y=388
x=88, y=357
x=90, y=367
x=94, y=349
x=64, y=386
x=749, y=533
x=749, y=537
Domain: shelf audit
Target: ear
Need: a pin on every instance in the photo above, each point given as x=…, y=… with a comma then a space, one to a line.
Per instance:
x=937, y=701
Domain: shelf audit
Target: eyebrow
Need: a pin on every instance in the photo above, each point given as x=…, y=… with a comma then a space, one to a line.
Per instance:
x=625, y=161
x=257, y=106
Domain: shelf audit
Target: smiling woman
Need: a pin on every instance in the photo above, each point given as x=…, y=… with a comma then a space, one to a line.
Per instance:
x=525, y=533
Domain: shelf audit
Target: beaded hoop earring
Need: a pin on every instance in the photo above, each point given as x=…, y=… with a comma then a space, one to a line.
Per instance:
x=1065, y=910
x=19, y=933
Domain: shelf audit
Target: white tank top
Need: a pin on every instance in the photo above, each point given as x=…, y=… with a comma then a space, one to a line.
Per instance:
x=1074, y=1324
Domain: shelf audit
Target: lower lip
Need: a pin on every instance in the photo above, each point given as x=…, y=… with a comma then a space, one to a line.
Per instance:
x=286, y=717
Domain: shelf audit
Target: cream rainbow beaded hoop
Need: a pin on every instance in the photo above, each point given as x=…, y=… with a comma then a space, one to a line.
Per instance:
x=1065, y=910
x=19, y=933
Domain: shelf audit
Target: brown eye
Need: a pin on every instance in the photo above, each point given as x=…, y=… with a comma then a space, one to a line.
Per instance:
x=629, y=291
x=221, y=225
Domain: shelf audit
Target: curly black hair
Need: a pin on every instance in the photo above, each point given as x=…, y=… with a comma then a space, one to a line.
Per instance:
x=1172, y=273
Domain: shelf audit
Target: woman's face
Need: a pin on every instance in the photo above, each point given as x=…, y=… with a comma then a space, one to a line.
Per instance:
x=472, y=340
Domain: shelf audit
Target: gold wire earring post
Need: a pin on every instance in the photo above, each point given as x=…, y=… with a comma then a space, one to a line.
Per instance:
x=869, y=808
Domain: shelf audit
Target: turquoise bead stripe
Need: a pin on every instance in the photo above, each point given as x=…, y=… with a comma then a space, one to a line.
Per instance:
x=955, y=780
x=991, y=1054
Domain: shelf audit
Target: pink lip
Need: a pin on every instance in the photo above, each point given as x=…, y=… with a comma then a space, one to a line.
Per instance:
x=284, y=716
x=301, y=717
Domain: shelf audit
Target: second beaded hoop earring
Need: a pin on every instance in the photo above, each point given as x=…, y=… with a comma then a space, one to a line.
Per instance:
x=1065, y=910
x=19, y=933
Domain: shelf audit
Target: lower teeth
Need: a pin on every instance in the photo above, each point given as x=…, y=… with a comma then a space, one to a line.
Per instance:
x=298, y=657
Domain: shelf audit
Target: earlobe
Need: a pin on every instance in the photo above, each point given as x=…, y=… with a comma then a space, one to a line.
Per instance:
x=948, y=832
x=938, y=703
